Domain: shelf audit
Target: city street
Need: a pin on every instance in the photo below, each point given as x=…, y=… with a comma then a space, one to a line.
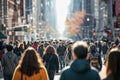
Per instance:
x=36, y=33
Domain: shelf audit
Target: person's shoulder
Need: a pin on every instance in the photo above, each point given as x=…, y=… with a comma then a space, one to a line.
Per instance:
x=94, y=73
x=4, y=55
x=14, y=54
x=45, y=55
x=55, y=55
x=66, y=70
x=42, y=69
x=17, y=69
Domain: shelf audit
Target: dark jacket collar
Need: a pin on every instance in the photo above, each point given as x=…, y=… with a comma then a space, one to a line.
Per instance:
x=80, y=66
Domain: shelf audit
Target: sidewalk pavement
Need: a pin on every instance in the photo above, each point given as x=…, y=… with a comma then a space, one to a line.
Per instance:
x=57, y=77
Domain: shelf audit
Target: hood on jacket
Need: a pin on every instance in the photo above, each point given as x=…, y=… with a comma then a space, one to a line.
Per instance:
x=80, y=66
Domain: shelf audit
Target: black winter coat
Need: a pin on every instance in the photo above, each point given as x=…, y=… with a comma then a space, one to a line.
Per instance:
x=53, y=63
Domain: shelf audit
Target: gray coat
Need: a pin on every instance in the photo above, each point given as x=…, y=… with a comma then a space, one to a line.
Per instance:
x=9, y=63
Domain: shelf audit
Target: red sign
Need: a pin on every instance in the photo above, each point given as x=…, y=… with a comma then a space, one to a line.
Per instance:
x=117, y=7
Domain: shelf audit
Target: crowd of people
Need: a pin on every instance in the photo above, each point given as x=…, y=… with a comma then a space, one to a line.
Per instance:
x=73, y=60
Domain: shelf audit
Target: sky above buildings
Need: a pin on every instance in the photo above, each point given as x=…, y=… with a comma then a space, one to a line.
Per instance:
x=62, y=11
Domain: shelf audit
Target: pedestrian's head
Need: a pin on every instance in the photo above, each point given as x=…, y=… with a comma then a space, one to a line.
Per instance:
x=60, y=44
x=30, y=62
x=9, y=48
x=80, y=50
x=21, y=45
x=113, y=62
x=50, y=49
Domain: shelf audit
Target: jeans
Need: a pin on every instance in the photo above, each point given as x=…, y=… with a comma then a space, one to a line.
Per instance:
x=62, y=62
x=7, y=77
x=51, y=74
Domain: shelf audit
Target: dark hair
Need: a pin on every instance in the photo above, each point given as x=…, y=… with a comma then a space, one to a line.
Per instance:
x=68, y=49
x=41, y=46
x=80, y=49
x=30, y=62
x=21, y=45
x=113, y=63
x=50, y=49
x=9, y=47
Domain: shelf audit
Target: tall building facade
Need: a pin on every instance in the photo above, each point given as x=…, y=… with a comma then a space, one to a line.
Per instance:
x=12, y=13
x=3, y=11
x=96, y=16
x=116, y=17
x=44, y=15
x=10, y=10
x=89, y=19
x=28, y=10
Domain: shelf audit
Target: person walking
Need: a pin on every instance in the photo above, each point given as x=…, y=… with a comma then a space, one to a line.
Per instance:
x=35, y=45
x=17, y=51
x=104, y=50
x=30, y=67
x=61, y=52
x=68, y=55
x=9, y=62
x=80, y=68
x=113, y=65
x=50, y=59
x=40, y=49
